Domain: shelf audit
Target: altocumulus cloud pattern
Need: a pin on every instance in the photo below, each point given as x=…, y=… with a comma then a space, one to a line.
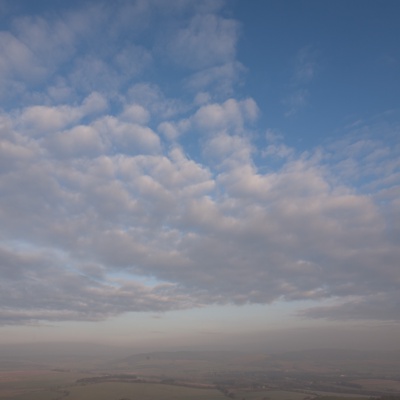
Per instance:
x=137, y=174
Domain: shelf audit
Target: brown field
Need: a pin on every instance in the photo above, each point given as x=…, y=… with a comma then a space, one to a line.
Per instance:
x=143, y=391
x=379, y=384
x=205, y=375
x=12, y=376
x=32, y=385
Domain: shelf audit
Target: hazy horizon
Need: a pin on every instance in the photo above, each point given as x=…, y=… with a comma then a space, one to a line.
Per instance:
x=349, y=336
x=211, y=175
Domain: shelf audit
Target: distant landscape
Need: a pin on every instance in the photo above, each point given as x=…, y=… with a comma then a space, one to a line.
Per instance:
x=74, y=373
x=199, y=200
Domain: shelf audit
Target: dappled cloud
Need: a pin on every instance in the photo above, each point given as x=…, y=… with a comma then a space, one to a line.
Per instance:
x=116, y=196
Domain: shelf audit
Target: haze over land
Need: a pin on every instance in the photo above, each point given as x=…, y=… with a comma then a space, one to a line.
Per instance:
x=205, y=175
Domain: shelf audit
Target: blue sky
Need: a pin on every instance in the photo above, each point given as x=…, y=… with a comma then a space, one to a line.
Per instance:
x=233, y=164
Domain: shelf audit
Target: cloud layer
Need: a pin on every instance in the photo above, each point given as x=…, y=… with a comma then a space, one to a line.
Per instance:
x=117, y=194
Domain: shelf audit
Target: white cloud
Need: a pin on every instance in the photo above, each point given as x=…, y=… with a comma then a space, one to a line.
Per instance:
x=296, y=101
x=111, y=195
x=89, y=190
x=230, y=115
x=132, y=60
x=278, y=150
x=73, y=296
x=40, y=120
x=220, y=79
x=229, y=150
x=17, y=60
x=93, y=104
x=305, y=67
x=202, y=98
x=130, y=138
x=172, y=130
x=36, y=47
x=153, y=99
x=206, y=41
x=90, y=73
x=43, y=119
x=60, y=92
x=135, y=113
x=227, y=235
x=79, y=141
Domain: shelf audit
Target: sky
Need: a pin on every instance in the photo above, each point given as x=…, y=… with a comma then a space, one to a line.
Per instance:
x=200, y=174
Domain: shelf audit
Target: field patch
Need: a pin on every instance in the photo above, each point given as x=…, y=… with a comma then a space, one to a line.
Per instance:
x=143, y=391
x=269, y=395
x=35, y=385
x=379, y=384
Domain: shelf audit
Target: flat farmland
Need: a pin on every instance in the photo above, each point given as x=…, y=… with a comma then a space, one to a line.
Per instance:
x=142, y=391
x=269, y=395
x=291, y=395
x=379, y=384
x=32, y=385
x=201, y=375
